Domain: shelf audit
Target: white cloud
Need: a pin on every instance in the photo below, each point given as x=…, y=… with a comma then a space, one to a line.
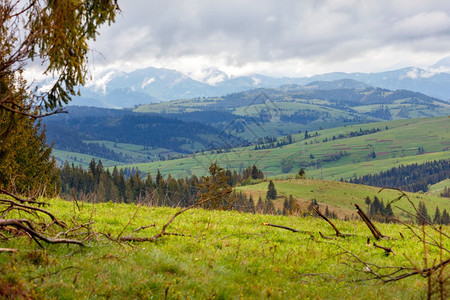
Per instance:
x=290, y=38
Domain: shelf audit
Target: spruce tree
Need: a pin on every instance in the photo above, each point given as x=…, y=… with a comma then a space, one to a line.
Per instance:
x=271, y=192
x=445, y=219
x=422, y=214
x=302, y=173
x=437, y=216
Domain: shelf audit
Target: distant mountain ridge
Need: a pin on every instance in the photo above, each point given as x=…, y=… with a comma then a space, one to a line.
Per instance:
x=150, y=85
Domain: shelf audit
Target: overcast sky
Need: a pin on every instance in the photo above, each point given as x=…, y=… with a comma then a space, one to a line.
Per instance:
x=282, y=38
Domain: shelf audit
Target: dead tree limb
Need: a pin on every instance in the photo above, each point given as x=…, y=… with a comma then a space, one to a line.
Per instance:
x=422, y=272
x=386, y=249
x=8, y=250
x=34, y=209
x=325, y=237
x=316, y=209
x=22, y=200
x=25, y=225
x=376, y=233
x=280, y=226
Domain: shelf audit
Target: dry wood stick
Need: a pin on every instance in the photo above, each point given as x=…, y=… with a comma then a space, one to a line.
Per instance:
x=20, y=224
x=280, y=226
x=21, y=200
x=8, y=250
x=324, y=236
x=386, y=249
x=376, y=233
x=316, y=209
x=35, y=209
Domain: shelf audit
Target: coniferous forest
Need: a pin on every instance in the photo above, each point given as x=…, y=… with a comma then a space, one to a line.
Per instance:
x=412, y=178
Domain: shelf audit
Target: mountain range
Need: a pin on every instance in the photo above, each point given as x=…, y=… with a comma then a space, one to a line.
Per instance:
x=151, y=85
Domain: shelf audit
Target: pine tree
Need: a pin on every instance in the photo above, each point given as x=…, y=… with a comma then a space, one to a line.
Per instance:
x=302, y=173
x=159, y=180
x=251, y=205
x=271, y=192
x=437, y=216
x=445, y=219
x=422, y=214
x=260, y=205
x=254, y=172
x=26, y=164
x=368, y=202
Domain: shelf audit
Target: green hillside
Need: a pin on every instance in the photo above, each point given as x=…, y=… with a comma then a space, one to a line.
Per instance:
x=341, y=196
x=397, y=142
x=222, y=255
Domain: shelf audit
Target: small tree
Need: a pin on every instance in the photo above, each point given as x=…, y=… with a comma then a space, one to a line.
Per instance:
x=368, y=202
x=445, y=219
x=437, y=216
x=271, y=191
x=213, y=186
x=302, y=173
x=422, y=214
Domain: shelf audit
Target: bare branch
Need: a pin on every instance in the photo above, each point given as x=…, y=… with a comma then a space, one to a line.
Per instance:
x=20, y=224
x=316, y=209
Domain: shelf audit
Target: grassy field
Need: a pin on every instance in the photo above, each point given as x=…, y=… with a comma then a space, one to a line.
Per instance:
x=224, y=255
x=398, y=144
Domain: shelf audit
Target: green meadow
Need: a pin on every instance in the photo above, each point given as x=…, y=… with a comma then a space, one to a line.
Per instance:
x=222, y=255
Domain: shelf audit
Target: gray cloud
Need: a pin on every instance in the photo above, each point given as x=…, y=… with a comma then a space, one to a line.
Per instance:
x=309, y=34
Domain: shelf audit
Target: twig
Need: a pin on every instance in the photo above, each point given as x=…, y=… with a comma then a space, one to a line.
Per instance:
x=8, y=250
x=141, y=228
x=129, y=221
x=74, y=229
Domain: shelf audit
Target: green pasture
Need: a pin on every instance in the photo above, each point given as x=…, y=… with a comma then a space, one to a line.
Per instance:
x=222, y=255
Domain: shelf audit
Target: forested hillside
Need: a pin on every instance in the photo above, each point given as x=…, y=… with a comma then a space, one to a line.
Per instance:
x=413, y=178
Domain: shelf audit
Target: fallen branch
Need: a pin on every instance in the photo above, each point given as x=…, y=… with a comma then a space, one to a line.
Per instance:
x=21, y=200
x=316, y=209
x=325, y=237
x=34, y=209
x=376, y=233
x=8, y=250
x=386, y=249
x=423, y=272
x=25, y=225
x=86, y=225
x=280, y=226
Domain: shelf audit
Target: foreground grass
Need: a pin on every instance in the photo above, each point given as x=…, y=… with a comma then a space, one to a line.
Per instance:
x=226, y=255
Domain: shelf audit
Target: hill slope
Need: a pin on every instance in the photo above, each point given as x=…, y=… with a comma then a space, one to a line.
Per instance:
x=336, y=153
